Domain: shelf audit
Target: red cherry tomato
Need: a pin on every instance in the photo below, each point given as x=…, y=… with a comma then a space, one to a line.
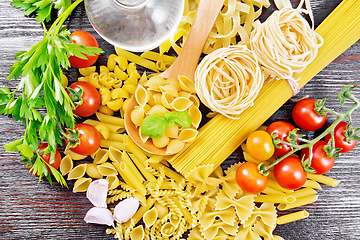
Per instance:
x=282, y=129
x=320, y=161
x=259, y=145
x=249, y=179
x=340, y=139
x=289, y=173
x=89, y=139
x=305, y=116
x=88, y=40
x=90, y=99
x=46, y=157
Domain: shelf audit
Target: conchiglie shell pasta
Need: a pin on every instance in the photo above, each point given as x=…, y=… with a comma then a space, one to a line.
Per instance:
x=187, y=135
x=161, y=142
x=113, y=182
x=195, y=100
x=77, y=172
x=181, y=104
x=157, y=98
x=195, y=115
x=169, y=89
x=172, y=131
x=137, y=116
x=73, y=155
x=186, y=84
x=158, y=109
x=141, y=95
x=150, y=217
x=166, y=99
x=107, y=169
x=101, y=156
x=137, y=233
x=184, y=94
x=92, y=171
x=155, y=82
x=175, y=83
x=66, y=165
x=81, y=185
x=174, y=146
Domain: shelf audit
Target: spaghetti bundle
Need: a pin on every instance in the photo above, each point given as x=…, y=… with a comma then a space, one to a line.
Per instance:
x=228, y=80
x=285, y=44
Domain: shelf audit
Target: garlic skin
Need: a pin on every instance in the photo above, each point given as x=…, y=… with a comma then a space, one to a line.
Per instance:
x=99, y=215
x=97, y=193
x=125, y=210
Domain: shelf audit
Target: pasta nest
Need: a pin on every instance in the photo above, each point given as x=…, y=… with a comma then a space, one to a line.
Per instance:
x=285, y=43
x=228, y=80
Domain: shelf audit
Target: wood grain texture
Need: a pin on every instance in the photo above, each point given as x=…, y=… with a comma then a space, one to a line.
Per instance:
x=34, y=210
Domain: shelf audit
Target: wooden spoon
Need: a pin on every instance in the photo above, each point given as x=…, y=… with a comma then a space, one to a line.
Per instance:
x=185, y=64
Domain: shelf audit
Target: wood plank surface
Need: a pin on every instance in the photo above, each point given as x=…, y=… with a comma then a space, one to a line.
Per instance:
x=35, y=210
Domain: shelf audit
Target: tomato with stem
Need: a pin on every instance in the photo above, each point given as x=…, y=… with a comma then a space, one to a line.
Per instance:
x=341, y=141
x=84, y=139
x=88, y=40
x=249, y=179
x=305, y=117
x=320, y=161
x=85, y=97
x=47, y=158
x=289, y=173
x=281, y=129
x=260, y=146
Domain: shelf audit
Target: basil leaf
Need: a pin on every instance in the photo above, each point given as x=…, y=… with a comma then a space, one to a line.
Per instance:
x=154, y=126
x=181, y=119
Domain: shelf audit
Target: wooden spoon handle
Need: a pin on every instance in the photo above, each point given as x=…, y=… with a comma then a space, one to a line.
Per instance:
x=204, y=20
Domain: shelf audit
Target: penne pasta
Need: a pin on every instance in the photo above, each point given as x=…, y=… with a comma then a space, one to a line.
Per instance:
x=113, y=128
x=323, y=179
x=110, y=143
x=299, y=202
x=291, y=217
x=275, y=198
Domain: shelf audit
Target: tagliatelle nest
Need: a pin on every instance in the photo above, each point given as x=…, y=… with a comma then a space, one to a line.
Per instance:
x=228, y=80
x=285, y=44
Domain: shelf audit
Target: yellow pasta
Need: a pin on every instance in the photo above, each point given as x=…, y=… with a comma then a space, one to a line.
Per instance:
x=103, y=130
x=110, y=143
x=93, y=171
x=107, y=169
x=129, y=177
x=112, y=127
x=77, y=172
x=100, y=156
x=66, y=165
x=291, y=217
x=136, y=59
x=81, y=184
x=87, y=71
x=323, y=179
x=275, y=198
x=73, y=155
x=114, y=182
x=299, y=202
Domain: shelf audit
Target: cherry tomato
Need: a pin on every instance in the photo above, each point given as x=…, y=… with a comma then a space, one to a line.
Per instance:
x=289, y=173
x=90, y=99
x=88, y=40
x=259, y=145
x=320, y=161
x=89, y=139
x=282, y=129
x=249, y=179
x=340, y=139
x=46, y=157
x=305, y=116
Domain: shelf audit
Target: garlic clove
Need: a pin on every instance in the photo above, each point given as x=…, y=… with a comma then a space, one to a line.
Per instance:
x=99, y=215
x=97, y=193
x=125, y=210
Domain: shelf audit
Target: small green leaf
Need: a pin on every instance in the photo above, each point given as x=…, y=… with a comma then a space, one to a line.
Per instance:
x=12, y=147
x=25, y=150
x=154, y=126
x=181, y=119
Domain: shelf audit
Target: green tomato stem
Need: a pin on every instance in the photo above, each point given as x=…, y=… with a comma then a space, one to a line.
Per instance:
x=309, y=143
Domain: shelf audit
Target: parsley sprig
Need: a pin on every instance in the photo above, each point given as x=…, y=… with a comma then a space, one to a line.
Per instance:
x=40, y=86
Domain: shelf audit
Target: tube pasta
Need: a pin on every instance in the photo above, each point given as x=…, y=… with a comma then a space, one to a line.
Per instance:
x=126, y=159
x=312, y=184
x=141, y=167
x=110, y=119
x=129, y=177
x=110, y=143
x=299, y=202
x=291, y=217
x=323, y=179
x=113, y=128
x=275, y=198
x=136, y=59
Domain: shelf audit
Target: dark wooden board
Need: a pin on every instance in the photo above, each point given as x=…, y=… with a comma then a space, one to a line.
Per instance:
x=35, y=210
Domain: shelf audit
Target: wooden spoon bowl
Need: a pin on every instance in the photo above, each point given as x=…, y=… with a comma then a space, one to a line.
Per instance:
x=185, y=64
